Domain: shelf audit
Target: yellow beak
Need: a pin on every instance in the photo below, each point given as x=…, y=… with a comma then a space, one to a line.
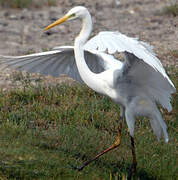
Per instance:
x=59, y=21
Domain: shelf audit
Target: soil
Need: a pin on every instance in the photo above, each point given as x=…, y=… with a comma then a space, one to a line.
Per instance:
x=21, y=30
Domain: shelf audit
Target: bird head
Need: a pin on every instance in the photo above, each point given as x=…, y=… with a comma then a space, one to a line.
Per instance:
x=74, y=13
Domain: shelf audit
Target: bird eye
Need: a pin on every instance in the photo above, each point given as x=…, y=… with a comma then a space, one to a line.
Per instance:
x=72, y=15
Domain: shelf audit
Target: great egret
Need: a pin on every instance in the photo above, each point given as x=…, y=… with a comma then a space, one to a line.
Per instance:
x=137, y=85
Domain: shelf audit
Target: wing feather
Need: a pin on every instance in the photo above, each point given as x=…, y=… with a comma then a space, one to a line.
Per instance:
x=115, y=41
x=55, y=62
x=143, y=79
x=138, y=79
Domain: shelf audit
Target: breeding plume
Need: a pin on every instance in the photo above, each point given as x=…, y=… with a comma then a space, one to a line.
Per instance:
x=138, y=84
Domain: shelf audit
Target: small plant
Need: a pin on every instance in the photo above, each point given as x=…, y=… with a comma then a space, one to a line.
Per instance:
x=51, y=2
x=15, y=3
x=27, y=3
x=24, y=79
x=171, y=9
x=174, y=53
x=118, y=176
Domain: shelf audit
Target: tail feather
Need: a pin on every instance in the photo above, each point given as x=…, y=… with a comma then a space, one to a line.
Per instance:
x=159, y=126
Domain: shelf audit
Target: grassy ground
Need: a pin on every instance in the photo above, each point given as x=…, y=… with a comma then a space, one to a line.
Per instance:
x=46, y=130
x=26, y=3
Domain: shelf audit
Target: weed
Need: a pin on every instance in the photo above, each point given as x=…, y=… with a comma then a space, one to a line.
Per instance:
x=171, y=9
x=174, y=53
x=27, y=3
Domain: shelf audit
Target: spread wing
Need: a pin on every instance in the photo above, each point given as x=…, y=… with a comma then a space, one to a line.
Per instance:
x=143, y=79
x=137, y=78
x=59, y=61
x=115, y=41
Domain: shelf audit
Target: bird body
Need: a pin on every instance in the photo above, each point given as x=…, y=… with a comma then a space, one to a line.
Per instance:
x=137, y=85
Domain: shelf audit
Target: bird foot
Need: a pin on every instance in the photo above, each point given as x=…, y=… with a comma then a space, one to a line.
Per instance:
x=132, y=170
x=77, y=168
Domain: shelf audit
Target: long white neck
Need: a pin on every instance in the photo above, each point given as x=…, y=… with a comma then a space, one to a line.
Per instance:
x=90, y=78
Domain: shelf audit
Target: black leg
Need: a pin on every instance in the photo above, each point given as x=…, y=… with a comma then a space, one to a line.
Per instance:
x=134, y=164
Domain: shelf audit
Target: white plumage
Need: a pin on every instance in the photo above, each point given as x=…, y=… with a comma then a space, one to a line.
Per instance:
x=137, y=85
x=117, y=42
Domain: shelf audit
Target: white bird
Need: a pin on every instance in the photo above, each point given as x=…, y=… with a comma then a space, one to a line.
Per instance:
x=138, y=84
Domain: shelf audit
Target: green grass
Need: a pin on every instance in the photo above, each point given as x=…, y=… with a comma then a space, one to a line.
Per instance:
x=27, y=3
x=174, y=53
x=44, y=131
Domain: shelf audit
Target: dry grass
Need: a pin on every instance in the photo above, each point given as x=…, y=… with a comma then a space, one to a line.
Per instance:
x=27, y=3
